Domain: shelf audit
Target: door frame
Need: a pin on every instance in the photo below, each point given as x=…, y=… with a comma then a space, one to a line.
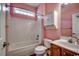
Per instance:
x=3, y=29
x=6, y=19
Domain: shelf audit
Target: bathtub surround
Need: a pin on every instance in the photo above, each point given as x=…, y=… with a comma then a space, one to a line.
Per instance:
x=22, y=35
x=22, y=32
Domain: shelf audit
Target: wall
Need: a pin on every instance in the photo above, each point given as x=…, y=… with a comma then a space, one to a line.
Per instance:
x=66, y=18
x=53, y=33
x=41, y=9
x=44, y=9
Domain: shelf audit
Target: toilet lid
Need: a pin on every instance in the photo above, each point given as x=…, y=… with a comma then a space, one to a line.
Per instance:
x=40, y=48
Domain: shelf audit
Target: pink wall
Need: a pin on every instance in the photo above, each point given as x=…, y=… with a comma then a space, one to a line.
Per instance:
x=66, y=18
x=53, y=33
x=41, y=9
x=50, y=7
x=44, y=9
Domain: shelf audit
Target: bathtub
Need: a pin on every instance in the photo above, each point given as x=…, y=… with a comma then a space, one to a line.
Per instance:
x=23, y=51
x=22, y=36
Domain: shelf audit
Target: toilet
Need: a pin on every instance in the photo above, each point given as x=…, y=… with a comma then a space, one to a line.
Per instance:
x=41, y=50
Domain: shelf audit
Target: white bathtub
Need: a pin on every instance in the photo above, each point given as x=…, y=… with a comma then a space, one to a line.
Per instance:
x=23, y=51
x=22, y=36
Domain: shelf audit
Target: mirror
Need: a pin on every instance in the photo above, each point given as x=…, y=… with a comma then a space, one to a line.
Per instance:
x=51, y=20
x=0, y=20
x=75, y=24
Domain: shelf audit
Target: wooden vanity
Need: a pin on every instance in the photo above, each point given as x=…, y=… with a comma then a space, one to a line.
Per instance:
x=60, y=51
x=62, y=48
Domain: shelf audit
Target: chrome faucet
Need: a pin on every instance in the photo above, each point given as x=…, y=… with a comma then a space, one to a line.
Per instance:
x=75, y=36
x=77, y=41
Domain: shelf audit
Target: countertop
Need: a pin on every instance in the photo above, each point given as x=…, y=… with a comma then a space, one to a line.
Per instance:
x=63, y=43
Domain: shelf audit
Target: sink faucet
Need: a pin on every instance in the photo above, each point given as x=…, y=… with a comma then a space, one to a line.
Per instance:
x=76, y=38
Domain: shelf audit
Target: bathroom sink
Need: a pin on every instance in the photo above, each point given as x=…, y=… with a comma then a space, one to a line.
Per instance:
x=66, y=43
x=71, y=45
x=70, y=40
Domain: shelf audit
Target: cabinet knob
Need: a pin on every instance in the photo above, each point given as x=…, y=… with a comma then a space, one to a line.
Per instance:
x=58, y=50
x=64, y=53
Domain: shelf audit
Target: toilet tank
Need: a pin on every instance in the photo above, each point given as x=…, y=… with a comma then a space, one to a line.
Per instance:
x=47, y=43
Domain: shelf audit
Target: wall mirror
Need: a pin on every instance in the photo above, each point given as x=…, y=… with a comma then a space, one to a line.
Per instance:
x=51, y=20
x=75, y=24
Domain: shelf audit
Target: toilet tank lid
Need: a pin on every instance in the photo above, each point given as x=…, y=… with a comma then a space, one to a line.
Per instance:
x=40, y=48
x=48, y=40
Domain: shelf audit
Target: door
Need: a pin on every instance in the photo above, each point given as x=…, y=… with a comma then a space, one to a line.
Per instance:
x=2, y=30
x=67, y=53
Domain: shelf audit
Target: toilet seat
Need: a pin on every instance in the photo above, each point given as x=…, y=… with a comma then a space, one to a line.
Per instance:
x=40, y=49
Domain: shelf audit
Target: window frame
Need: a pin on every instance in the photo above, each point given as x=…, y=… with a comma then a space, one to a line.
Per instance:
x=24, y=12
x=22, y=6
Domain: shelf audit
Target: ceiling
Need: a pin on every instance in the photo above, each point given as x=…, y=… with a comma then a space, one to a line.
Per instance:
x=34, y=4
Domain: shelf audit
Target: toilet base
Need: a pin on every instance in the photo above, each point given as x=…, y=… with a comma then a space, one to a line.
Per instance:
x=45, y=54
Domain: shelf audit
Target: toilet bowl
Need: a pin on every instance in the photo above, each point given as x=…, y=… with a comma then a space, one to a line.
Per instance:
x=41, y=50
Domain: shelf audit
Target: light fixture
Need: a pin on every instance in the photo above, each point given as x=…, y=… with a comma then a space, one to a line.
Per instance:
x=65, y=3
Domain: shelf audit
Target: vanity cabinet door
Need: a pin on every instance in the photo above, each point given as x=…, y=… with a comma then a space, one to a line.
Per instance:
x=67, y=53
x=55, y=50
x=59, y=51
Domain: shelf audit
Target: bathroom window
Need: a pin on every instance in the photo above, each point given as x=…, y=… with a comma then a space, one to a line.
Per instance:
x=24, y=12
